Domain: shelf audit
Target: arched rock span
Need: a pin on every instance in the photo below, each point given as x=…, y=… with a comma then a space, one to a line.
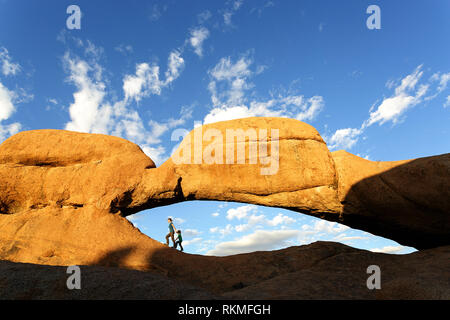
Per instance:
x=63, y=194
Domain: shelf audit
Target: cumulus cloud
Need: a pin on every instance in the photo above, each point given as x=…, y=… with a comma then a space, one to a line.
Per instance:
x=250, y=218
x=389, y=249
x=280, y=219
x=143, y=83
x=7, y=107
x=9, y=98
x=240, y=212
x=92, y=111
x=87, y=112
x=408, y=92
x=323, y=226
x=344, y=138
x=230, y=82
x=197, y=37
x=406, y=95
x=146, y=82
x=257, y=241
x=7, y=66
x=222, y=231
x=324, y=230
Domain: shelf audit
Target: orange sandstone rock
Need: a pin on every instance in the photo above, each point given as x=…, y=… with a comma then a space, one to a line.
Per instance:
x=64, y=195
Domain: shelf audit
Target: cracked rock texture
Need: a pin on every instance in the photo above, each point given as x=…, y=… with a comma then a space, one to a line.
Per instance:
x=64, y=195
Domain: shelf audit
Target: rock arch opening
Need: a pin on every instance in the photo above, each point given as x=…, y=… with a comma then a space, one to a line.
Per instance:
x=226, y=228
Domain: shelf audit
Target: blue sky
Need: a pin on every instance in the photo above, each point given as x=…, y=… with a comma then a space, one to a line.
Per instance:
x=142, y=69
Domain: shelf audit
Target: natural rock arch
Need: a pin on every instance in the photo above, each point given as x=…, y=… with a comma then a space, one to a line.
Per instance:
x=63, y=195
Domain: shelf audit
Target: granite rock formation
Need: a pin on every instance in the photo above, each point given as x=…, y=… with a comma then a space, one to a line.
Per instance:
x=64, y=197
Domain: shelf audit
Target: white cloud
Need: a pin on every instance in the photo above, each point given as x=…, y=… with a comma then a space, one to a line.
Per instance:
x=366, y=156
x=9, y=130
x=179, y=220
x=157, y=129
x=6, y=103
x=227, y=17
x=257, y=241
x=7, y=108
x=222, y=231
x=227, y=70
x=323, y=226
x=405, y=97
x=344, y=138
x=388, y=249
x=143, y=83
x=193, y=241
x=7, y=66
x=248, y=213
x=447, y=102
x=407, y=94
x=215, y=214
x=323, y=230
x=280, y=219
x=310, y=110
x=157, y=154
x=87, y=112
x=254, y=221
x=90, y=112
x=53, y=101
x=442, y=79
x=9, y=98
x=198, y=36
x=344, y=238
x=240, y=212
x=92, y=50
x=175, y=65
x=445, y=78
x=229, y=84
x=191, y=232
x=146, y=79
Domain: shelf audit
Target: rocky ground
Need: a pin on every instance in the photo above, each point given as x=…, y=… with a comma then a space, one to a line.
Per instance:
x=322, y=270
